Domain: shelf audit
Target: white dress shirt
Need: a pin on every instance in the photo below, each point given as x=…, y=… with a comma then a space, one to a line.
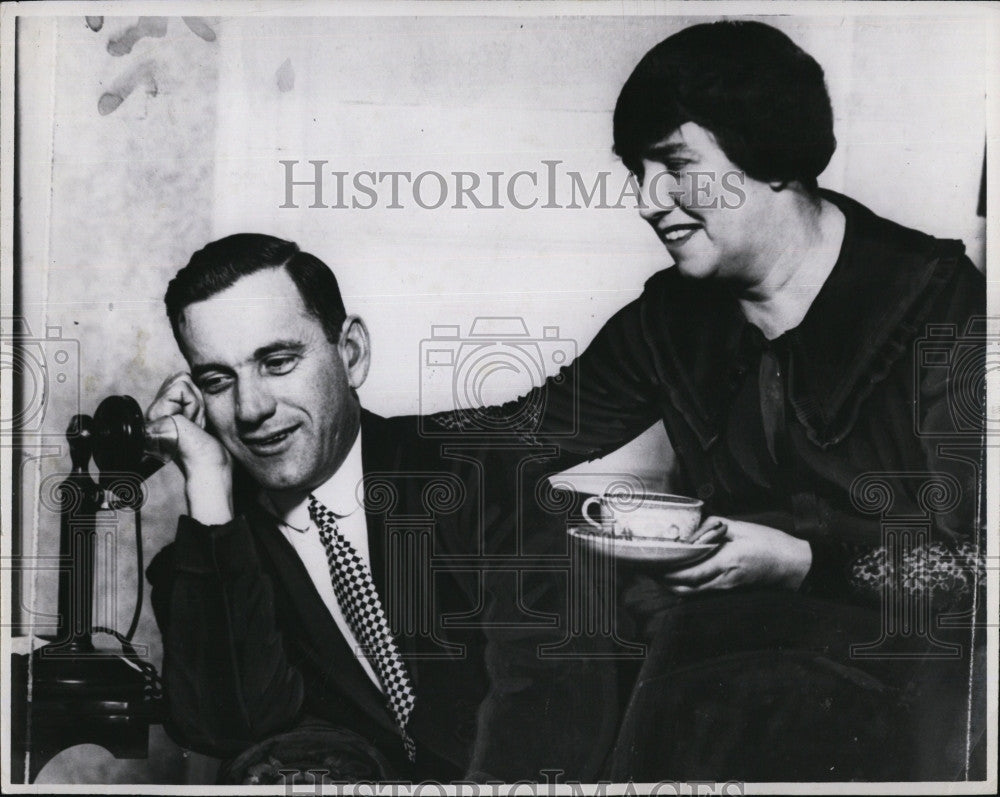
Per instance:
x=339, y=494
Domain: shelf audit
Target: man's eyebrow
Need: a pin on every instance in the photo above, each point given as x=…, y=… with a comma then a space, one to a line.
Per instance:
x=259, y=354
x=278, y=345
x=200, y=370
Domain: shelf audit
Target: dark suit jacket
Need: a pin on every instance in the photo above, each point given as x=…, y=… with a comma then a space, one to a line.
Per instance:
x=250, y=649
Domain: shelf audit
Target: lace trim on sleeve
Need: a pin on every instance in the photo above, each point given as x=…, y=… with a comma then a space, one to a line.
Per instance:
x=519, y=421
x=947, y=575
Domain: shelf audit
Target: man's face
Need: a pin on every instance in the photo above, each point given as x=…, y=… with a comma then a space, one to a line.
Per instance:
x=710, y=216
x=277, y=392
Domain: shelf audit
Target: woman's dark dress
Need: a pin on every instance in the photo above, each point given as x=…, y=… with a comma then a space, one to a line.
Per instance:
x=860, y=431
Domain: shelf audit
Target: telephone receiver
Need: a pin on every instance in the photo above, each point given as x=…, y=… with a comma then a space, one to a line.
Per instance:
x=121, y=443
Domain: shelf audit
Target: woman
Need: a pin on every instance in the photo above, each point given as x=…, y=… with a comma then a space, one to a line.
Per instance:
x=781, y=353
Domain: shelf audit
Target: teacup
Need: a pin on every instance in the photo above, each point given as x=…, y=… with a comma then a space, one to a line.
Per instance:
x=645, y=515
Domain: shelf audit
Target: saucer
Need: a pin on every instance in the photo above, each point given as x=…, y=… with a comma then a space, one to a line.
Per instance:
x=644, y=549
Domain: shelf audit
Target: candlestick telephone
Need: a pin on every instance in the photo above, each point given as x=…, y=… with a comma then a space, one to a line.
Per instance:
x=79, y=694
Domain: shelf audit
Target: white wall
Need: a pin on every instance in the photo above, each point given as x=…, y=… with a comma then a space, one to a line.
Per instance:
x=110, y=205
x=505, y=94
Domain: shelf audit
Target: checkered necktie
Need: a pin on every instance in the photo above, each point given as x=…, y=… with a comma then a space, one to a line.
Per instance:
x=359, y=601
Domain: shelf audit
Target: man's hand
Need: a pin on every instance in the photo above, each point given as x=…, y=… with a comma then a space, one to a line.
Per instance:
x=206, y=464
x=750, y=555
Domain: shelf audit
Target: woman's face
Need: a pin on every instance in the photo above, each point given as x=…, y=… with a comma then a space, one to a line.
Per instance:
x=712, y=218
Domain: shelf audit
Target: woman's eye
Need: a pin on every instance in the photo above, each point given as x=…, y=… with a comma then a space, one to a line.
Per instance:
x=280, y=365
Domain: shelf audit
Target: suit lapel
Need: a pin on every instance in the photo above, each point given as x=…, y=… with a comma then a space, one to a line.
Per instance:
x=380, y=458
x=323, y=640
x=325, y=643
x=374, y=460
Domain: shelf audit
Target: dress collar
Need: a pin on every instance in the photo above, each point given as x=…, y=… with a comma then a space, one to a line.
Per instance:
x=860, y=323
x=863, y=318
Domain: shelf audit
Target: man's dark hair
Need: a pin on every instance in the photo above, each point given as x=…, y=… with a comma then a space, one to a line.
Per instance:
x=753, y=88
x=221, y=263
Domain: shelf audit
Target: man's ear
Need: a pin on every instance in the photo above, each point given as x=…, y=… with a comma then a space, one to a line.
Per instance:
x=355, y=350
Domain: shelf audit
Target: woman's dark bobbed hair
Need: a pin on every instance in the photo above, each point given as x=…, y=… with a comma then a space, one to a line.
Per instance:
x=753, y=88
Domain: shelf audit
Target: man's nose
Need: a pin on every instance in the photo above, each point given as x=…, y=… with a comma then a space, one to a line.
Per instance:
x=254, y=402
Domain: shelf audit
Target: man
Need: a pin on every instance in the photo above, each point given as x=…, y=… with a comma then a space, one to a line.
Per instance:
x=306, y=581
x=782, y=353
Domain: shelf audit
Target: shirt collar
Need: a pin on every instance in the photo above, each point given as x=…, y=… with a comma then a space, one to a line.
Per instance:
x=340, y=493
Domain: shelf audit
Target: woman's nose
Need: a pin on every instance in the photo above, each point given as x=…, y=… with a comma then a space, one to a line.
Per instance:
x=657, y=192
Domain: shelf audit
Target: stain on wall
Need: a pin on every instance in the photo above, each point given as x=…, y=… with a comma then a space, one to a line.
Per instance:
x=285, y=76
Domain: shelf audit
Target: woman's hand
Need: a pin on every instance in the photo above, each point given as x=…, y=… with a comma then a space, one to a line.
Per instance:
x=750, y=555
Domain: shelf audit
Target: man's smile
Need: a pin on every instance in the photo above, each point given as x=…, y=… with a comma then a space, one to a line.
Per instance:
x=268, y=445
